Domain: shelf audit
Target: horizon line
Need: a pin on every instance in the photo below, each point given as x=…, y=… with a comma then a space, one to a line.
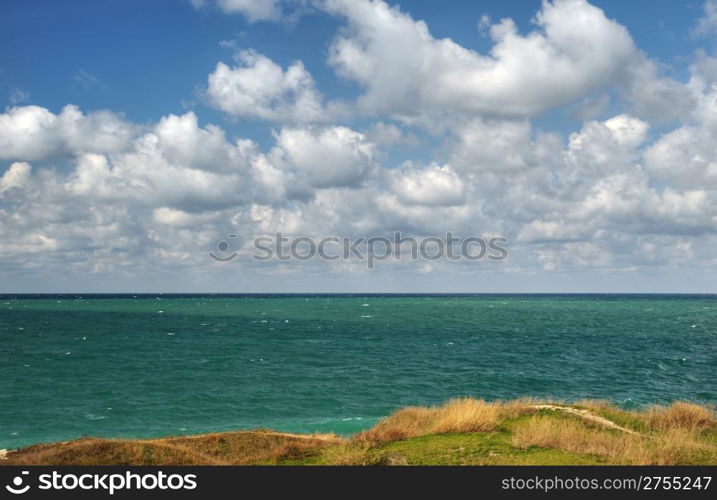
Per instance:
x=7, y=294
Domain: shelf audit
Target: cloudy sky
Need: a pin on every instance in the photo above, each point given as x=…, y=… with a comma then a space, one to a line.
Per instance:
x=136, y=135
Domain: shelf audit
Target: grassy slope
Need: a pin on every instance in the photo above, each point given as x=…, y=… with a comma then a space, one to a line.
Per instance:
x=462, y=432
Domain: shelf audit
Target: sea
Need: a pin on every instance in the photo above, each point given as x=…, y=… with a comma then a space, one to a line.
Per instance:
x=141, y=366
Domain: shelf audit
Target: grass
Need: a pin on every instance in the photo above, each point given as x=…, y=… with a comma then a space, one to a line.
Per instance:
x=672, y=447
x=458, y=416
x=461, y=432
x=227, y=448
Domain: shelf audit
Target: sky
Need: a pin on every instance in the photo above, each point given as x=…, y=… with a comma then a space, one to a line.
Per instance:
x=136, y=136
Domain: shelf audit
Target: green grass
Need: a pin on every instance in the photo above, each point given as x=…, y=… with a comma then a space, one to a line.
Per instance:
x=474, y=449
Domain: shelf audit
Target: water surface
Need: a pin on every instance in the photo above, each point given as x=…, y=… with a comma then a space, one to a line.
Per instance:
x=142, y=366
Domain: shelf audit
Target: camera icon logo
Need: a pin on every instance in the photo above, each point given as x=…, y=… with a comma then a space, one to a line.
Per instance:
x=223, y=247
x=16, y=488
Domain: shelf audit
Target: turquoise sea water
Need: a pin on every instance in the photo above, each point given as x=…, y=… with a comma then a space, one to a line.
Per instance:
x=147, y=366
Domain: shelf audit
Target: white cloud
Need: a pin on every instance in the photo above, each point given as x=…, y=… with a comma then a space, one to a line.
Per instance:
x=388, y=134
x=253, y=10
x=327, y=157
x=93, y=177
x=627, y=131
x=499, y=145
x=687, y=156
x=176, y=163
x=35, y=133
x=552, y=231
x=654, y=96
x=602, y=149
x=16, y=176
x=412, y=76
x=433, y=185
x=260, y=88
x=180, y=218
x=178, y=188
x=182, y=142
x=406, y=71
x=704, y=72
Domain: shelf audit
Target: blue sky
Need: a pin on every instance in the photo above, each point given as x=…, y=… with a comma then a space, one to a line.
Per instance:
x=149, y=57
x=584, y=134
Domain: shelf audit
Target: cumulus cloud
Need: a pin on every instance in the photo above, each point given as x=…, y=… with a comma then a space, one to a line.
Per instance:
x=433, y=185
x=179, y=187
x=601, y=149
x=175, y=161
x=327, y=157
x=406, y=71
x=182, y=142
x=153, y=170
x=16, y=176
x=655, y=96
x=500, y=145
x=389, y=134
x=35, y=133
x=258, y=87
x=687, y=155
x=412, y=76
x=627, y=131
x=180, y=218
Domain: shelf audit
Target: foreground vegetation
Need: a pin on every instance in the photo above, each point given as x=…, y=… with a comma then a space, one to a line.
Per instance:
x=461, y=432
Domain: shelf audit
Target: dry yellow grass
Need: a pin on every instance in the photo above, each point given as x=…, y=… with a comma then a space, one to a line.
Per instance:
x=106, y=452
x=682, y=416
x=672, y=447
x=467, y=415
x=347, y=454
x=567, y=434
x=408, y=422
x=458, y=415
x=228, y=448
x=358, y=454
